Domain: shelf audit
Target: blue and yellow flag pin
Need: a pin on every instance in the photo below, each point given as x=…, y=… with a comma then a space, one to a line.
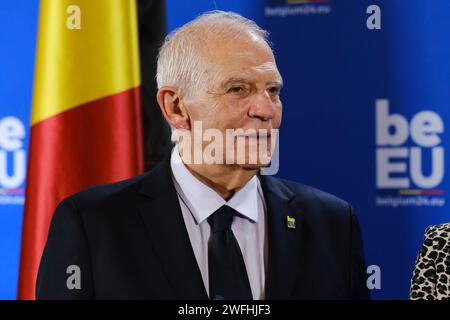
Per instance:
x=290, y=222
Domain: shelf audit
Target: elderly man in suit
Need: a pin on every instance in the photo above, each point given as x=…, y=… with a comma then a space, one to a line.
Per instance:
x=216, y=228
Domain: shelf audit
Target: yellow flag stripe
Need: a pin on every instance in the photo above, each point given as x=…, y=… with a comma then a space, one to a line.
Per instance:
x=75, y=66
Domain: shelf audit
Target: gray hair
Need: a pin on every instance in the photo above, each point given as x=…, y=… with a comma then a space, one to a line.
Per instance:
x=181, y=63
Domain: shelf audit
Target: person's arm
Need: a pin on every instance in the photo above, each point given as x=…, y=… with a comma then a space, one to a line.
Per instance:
x=358, y=277
x=65, y=271
x=423, y=282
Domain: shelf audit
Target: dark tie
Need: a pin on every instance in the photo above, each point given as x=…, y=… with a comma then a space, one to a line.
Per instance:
x=227, y=273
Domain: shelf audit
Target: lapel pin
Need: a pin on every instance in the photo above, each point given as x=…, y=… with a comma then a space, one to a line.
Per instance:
x=290, y=222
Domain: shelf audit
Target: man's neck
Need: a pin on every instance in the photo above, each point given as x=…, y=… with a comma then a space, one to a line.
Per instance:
x=226, y=180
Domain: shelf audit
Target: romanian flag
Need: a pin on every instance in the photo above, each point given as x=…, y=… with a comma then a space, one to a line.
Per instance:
x=86, y=122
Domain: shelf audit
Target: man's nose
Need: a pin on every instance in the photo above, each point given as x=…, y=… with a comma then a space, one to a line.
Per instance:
x=262, y=107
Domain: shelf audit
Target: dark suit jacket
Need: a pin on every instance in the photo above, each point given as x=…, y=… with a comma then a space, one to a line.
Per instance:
x=130, y=242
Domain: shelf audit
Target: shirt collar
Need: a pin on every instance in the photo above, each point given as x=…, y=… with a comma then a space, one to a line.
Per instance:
x=204, y=201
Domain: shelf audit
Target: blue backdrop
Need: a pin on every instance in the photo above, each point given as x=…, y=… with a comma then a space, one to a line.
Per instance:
x=18, y=22
x=339, y=75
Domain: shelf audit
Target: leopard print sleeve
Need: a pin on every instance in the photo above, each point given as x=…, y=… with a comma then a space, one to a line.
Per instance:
x=431, y=275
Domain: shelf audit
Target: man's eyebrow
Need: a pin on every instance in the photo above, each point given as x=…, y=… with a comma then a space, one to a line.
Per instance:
x=234, y=80
x=278, y=81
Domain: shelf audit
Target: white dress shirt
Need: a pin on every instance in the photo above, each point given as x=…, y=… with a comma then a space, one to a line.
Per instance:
x=198, y=202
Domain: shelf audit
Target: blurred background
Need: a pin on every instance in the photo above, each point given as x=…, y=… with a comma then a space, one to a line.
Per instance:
x=366, y=110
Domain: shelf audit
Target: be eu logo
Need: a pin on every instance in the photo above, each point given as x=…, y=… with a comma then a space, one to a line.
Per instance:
x=409, y=157
x=12, y=161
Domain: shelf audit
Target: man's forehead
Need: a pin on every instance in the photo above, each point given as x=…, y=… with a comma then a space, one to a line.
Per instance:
x=266, y=67
x=267, y=72
x=243, y=58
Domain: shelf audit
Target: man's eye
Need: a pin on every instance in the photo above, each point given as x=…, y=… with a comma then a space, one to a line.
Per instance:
x=274, y=90
x=236, y=90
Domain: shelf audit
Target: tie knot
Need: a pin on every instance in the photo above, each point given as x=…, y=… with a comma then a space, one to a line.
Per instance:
x=222, y=218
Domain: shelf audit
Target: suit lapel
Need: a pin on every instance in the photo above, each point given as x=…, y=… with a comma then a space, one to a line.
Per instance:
x=283, y=241
x=163, y=219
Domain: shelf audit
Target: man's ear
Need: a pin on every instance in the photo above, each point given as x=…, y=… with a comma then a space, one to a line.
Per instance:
x=169, y=101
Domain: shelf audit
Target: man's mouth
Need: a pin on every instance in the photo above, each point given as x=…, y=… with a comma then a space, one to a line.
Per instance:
x=259, y=135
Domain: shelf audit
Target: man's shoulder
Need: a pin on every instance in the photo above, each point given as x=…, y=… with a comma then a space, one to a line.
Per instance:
x=309, y=197
x=110, y=194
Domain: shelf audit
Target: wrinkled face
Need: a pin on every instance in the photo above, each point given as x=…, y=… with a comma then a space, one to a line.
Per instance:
x=243, y=94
